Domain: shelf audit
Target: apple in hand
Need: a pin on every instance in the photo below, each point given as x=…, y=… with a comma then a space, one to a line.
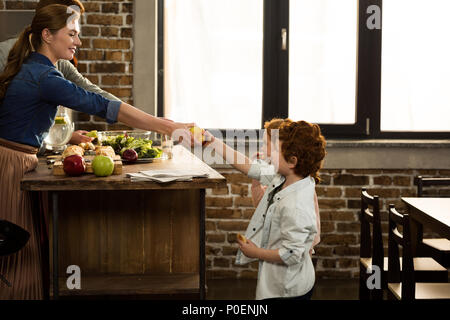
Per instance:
x=74, y=165
x=199, y=134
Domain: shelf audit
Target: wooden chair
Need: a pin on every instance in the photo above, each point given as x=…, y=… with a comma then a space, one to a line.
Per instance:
x=12, y=239
x=428, y=182
x=438, y=248
x=372, y=252
x=403, y=283
x=371, y=247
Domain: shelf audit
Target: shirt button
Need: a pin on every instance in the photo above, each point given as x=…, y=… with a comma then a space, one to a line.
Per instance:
x=290, y=251
x=254, y=229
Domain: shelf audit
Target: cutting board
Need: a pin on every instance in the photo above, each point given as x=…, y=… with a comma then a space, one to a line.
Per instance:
x=59, y=171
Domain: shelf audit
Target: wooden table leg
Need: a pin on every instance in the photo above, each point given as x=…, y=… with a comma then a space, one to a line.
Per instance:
x=202, y=292
x=40, y=223
x=416, y=236
x=55, y=247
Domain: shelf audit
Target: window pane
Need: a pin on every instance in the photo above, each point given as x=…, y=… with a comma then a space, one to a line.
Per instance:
x=415, y=93
x=322, y=60
x=213, y=62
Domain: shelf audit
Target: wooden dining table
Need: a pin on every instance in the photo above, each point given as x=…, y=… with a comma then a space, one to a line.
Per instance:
x=432, y=213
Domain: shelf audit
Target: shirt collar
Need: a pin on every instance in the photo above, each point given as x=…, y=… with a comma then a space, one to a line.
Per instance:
x=279, y=179
x=294, y=187
x=40, y=58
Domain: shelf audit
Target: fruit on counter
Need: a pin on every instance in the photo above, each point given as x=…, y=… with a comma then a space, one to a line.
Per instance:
x=241, y=237
x=130, y=155
x=74, y=165
x=103, y=166
x=71, y=150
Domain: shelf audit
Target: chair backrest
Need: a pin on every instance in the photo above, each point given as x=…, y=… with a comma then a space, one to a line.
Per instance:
x=371, y=245
x=12, y=238
x=405, y=275
x=426, y=182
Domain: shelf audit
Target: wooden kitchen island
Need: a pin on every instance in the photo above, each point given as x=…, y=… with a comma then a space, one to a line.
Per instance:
x=130, y=239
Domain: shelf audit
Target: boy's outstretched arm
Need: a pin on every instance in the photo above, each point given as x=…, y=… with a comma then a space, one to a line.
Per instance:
x=238, y=160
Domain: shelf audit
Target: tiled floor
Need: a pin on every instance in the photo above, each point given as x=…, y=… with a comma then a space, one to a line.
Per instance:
x=325, y=289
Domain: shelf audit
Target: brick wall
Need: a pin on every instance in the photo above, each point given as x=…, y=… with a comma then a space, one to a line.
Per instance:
x=228, y=212
x=106, y=55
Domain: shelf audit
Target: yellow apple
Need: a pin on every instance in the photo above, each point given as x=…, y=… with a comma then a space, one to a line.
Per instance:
x=198, y=133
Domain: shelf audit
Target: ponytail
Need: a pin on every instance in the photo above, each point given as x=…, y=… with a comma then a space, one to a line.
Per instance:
x=19, y=52
x=52, y=17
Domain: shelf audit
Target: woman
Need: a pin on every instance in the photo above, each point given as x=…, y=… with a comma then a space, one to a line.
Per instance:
x=64, y=66
x=30, y=91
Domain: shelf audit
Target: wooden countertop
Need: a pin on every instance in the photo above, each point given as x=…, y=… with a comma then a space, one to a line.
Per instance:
x=42, y=178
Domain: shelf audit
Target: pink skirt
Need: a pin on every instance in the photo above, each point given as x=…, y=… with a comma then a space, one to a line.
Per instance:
x=22, y=269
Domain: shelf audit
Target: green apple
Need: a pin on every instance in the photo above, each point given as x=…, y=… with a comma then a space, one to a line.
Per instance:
x=103, y=166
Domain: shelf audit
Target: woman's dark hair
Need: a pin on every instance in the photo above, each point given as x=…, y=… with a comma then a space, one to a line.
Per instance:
x=52, y=17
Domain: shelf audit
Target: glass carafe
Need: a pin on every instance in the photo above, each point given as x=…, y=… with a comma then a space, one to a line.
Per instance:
x=61, y=131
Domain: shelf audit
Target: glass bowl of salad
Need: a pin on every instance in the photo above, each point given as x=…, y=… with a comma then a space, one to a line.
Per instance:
x=144, y=143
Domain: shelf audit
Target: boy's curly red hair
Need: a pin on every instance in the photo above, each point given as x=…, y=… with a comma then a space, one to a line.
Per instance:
x=304, y=141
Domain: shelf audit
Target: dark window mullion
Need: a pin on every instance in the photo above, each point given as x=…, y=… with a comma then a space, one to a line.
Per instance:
x=160, y=98
x=275, y=61
x=369, y=72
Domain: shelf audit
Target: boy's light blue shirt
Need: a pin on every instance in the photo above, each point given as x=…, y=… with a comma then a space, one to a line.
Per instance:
x=288, y=224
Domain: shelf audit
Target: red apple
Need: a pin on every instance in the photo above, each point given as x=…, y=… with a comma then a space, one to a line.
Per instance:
x=74, y=165
x=130, y=155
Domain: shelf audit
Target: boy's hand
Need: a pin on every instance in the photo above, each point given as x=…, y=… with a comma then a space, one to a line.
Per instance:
x=249, y=249
x=209, y=138
x=259, y=155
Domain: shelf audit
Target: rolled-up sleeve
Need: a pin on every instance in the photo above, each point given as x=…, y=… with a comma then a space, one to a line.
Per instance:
x=297, y=231
x=55, y=89
x=262, y=171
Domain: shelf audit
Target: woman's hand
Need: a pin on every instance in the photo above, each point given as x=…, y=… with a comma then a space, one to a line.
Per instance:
x=79, y=137
x=249, y=249
x=180, y=132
